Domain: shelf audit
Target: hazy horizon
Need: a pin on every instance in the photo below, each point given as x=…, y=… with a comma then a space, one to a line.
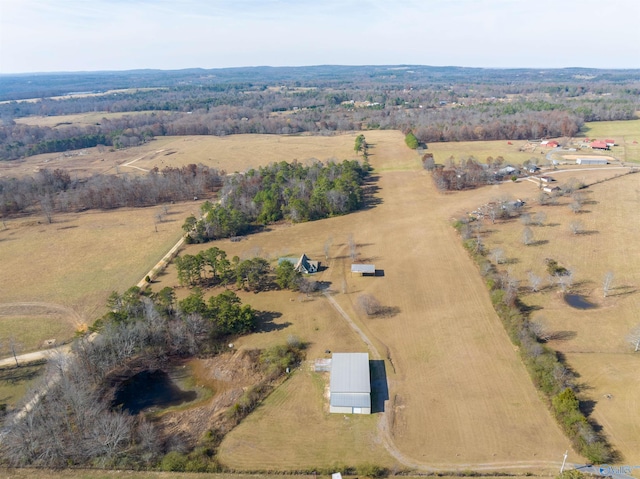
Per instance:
x=56, y=36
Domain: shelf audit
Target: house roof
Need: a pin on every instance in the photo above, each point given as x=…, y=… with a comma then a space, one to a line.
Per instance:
x=363, y=268
x=305, y=263
x=598, y=144
x=350, y=373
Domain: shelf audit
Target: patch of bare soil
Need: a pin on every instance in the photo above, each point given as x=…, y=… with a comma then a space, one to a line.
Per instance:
x=229, y=375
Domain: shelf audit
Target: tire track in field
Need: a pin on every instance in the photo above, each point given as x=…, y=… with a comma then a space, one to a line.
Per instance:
x=387, y=441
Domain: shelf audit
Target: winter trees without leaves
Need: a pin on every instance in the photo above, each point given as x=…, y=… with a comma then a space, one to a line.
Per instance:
x=74, y=422
x=527, y=236
x=607, y=283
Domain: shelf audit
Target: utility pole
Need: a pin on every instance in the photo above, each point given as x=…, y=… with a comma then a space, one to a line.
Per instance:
x=566, y=453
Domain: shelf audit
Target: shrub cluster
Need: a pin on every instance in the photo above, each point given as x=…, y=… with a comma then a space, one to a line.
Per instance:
x=547, y=371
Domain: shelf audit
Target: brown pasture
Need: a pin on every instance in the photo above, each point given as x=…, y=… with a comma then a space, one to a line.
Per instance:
x=229, y=153
x=594, y=341
x=459, y=396
x=64, y=271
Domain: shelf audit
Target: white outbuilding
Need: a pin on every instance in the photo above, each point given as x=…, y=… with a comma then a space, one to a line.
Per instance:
x=350, y=384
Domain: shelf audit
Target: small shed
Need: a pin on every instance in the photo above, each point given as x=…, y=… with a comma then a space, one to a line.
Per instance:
x=350, y=384
x=547, y=179
x=363, y=268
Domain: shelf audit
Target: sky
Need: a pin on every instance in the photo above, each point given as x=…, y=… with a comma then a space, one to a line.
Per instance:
x=94, y=35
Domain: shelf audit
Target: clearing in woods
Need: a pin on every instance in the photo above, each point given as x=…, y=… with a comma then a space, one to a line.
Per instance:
x=594, y=341
x=459, y=394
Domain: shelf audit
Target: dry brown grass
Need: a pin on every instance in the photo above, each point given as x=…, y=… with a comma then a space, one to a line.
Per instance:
x=77, y=261
x=461, y=394
x=229, y=153
x=77, y=119
x=593, y=340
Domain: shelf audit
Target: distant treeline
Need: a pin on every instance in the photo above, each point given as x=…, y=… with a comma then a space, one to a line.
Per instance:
x=471, y=105
x=278, y=191
x=56, y=191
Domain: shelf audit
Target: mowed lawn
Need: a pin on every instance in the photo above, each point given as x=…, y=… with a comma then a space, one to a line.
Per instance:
x=459, y=394
x=594, y=341
x=63, y=272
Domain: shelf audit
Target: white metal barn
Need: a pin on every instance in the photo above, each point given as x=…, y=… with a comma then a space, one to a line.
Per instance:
x=350, y=384
x=591, y=161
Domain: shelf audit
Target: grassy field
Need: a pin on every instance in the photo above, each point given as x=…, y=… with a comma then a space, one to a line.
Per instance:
x=459, y=394
x=15, y=382
x=78, y=119
x=594, y=341
x=62, y=273
x=625, y=133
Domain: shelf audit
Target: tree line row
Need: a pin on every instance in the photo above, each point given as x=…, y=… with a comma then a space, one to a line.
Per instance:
x=55, y=191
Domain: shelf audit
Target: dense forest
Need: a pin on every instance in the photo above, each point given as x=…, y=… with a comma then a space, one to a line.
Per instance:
x=437, y=104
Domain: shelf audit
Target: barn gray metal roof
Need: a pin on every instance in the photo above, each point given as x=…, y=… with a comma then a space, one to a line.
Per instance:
x=363, y=268
x=351, y=400
x=350, y=373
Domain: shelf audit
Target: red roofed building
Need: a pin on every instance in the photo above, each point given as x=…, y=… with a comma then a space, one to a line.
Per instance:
x=552, y=144
x=599, y=145
x=610, y=142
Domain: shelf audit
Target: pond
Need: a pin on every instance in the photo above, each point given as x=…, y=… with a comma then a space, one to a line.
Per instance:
x=578, y=301
x=150, y=389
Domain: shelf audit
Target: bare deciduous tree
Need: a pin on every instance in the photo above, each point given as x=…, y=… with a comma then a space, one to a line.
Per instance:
x=525, y=219
x=540, y=218
x=540, y=330
x=14, y=347
x=370, y=305
x=575, y=206
x=527, y=236
x=534, y=281
x=607, y=283
x=327, y=247
x=576, y=227
x=47, y=207
x=498, y=255
x=353, y=251
x=634, y=338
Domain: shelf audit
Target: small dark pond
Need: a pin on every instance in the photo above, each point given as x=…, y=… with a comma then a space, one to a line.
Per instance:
x=577, y=301
x=149, y=389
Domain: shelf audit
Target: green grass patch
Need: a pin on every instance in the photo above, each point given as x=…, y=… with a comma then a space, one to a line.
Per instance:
x=32, y=331
x=15, y=382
